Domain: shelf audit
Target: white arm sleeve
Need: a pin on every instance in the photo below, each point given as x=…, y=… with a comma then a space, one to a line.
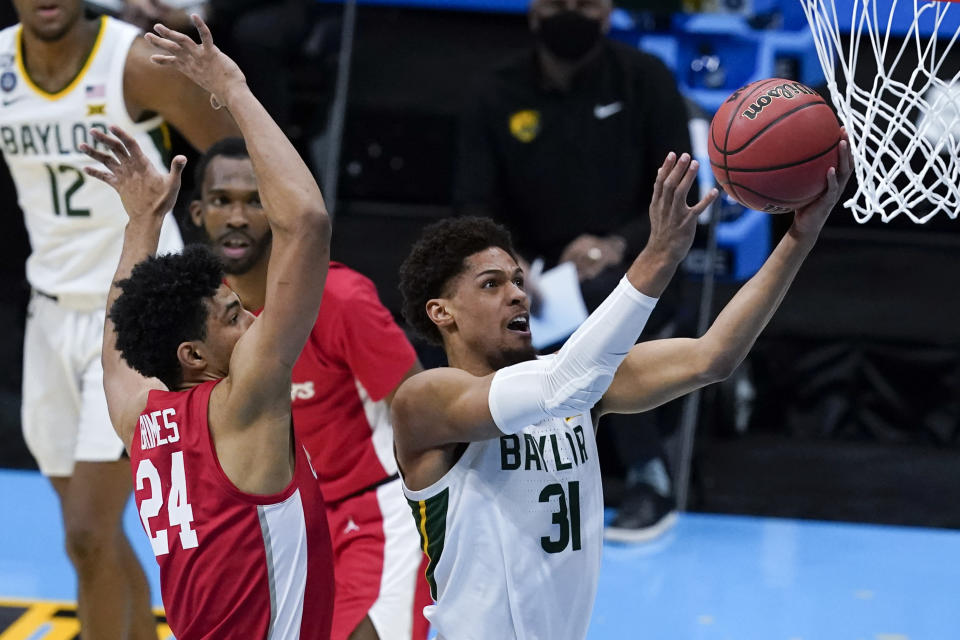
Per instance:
x=575, y=379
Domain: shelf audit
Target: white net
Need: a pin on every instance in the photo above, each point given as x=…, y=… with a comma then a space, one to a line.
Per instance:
x=898, y=98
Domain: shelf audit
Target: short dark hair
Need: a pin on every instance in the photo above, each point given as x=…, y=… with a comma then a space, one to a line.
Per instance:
x=228, y=147
x=161, y=306
x=437, y=258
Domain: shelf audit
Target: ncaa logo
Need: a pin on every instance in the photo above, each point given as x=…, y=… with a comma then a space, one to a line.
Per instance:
x=8, y=81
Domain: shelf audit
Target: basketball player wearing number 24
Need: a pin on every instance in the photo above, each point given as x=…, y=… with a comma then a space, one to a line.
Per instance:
x=199, y=390
x=62, y=76
x=497, y=451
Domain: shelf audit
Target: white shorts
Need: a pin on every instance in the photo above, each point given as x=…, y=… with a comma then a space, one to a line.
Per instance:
x=64, y=409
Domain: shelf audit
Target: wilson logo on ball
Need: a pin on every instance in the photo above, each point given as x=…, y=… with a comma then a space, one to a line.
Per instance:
x=785, y=91
x=771, y=144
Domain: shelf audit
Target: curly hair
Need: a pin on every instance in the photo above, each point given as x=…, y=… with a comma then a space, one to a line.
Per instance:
x=437, y=258
x=161, y=306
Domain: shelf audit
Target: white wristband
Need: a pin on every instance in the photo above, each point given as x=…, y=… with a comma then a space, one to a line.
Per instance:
x=575, y=379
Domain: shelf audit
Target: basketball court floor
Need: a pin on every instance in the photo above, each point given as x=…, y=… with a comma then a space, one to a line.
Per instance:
x=712, y=577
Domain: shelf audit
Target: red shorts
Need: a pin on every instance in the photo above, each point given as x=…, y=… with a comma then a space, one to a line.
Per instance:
x=378, y=565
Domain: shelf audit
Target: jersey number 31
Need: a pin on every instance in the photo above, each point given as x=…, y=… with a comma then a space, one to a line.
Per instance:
x=179, y=511
x=568, y=519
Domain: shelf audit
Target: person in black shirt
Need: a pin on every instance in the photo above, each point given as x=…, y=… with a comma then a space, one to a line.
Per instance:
x=562, y=146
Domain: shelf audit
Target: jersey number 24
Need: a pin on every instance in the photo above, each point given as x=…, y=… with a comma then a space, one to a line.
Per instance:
x=179, y=511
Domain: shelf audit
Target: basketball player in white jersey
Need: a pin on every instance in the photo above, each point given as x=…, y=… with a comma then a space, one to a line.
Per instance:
x=62, y=75
x=497, y=452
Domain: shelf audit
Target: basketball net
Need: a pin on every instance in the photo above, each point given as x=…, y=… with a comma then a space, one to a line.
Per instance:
x=904, y=122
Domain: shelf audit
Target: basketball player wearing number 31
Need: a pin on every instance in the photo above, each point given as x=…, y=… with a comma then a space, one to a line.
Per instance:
x=62, y=76
x=497, y=452
x=199, y=390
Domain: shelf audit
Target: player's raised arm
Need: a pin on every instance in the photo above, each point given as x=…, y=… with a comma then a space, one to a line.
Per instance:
x=445, y=406
x=658, y=371
x=152, y=88
x=147, y=196
x=293, y=206
x=442, y=406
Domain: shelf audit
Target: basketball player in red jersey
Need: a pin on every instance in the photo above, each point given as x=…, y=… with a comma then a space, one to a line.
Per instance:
x=199, y=390
x=343, y=383
x=62, y=74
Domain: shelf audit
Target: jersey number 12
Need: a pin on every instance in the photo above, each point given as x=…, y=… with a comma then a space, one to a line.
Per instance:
x=179, y=511
x=61, y=203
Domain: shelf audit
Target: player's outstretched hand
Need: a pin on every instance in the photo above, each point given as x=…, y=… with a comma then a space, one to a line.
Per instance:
x=809, y=220
x=203, y=63
x=673, y=223
x=144, y=191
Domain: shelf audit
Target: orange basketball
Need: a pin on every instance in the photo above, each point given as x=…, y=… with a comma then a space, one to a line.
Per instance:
x=771, y=143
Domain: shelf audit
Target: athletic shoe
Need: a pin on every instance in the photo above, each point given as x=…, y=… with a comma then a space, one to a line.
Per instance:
x=644, y=515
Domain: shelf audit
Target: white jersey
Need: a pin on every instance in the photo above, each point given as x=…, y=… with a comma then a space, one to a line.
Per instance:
x=75, y=222
x=514, y=535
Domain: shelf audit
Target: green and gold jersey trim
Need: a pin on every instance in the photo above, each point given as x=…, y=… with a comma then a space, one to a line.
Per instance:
x=22, y=67
x=431, y=518
x=161, y=139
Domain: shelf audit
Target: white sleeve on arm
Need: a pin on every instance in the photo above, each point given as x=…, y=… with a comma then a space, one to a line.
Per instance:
x=575, y=379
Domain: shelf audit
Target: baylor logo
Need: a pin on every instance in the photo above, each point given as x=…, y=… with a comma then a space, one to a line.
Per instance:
x=525, y=125
x=553, y=452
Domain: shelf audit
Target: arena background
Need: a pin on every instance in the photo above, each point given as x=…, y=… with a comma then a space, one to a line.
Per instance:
x=857, y=374
x=857, y=407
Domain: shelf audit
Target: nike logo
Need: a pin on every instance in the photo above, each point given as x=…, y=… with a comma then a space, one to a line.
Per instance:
x=604, y=111
x=9, y=102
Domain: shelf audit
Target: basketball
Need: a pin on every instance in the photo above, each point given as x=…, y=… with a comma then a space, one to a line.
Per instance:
x=771, y=144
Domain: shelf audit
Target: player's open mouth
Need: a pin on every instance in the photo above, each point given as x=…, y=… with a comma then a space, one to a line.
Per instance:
x=235, y=247
x=520, y=324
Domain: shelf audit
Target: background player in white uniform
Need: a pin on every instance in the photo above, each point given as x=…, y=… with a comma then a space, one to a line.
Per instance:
x=497, y=451
x=62, y=75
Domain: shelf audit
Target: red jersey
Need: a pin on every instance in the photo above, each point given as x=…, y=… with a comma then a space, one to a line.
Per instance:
x=355, y=356
x=232, y=564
